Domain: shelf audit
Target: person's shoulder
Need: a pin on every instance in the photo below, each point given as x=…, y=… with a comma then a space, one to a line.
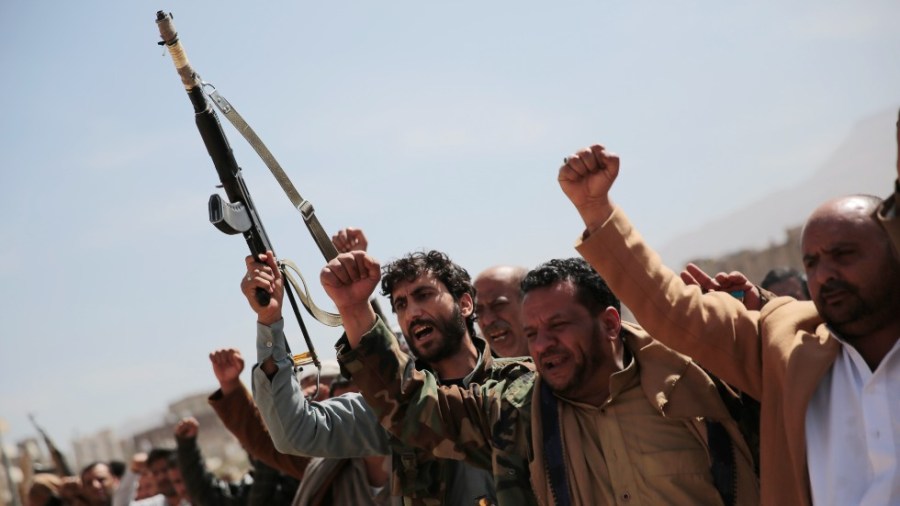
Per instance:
x=514, y=380
x=510, y=368
x=789, y=326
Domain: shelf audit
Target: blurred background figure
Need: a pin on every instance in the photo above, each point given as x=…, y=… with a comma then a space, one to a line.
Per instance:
x=98, y=484
x=162, y=464
x=498, y=309
x=786, y=281
x=44, y=490
x=117, y=468
x=307, y=376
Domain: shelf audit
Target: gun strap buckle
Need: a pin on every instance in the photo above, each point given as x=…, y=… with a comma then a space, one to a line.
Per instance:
x=306, y=210
x=304, y=206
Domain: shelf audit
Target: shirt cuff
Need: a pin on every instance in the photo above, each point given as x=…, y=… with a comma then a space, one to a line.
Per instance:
x=270, y=342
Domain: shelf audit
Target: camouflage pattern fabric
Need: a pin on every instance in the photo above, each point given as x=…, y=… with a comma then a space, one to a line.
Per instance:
x=491, y=422
x=422, y=476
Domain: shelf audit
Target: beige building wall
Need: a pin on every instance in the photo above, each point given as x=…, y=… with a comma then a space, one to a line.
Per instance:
x=756, y=263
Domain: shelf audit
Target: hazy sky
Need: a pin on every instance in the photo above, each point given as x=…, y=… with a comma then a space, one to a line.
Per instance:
x=428, y=124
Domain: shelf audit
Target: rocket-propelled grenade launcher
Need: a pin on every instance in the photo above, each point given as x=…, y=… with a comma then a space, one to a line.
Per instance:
x=238, y=215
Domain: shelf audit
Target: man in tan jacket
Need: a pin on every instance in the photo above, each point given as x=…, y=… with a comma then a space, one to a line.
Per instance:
x=825, y=372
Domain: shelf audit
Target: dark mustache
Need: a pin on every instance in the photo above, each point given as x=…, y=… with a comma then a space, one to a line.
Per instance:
x=420, y=321
x=496, y=326
x=836, y=285
x=556, y=350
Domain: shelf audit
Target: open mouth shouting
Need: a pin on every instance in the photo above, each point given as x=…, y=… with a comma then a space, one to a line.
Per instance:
x=553, y=364
x=421, y=330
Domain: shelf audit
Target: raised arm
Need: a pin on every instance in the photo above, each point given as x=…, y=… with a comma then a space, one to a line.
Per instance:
x=202, y=486
x=715, y=329
x=234, y=406
x=341, y=427
x=338, y=427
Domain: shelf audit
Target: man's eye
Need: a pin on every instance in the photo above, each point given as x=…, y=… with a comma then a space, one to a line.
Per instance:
x=844, y=253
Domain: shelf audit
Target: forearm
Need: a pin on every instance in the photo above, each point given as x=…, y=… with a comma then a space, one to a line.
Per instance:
x=125, y=492
x=358, y=321
x=715, y=329
x=340, y=427
x=202, y=486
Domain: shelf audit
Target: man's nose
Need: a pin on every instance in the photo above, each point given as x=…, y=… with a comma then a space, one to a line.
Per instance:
x=414, y=310
x=825, y=271
x=486, y=317
x=542, y=341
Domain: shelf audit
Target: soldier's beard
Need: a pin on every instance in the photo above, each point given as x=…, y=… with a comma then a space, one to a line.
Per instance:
x=451, y=330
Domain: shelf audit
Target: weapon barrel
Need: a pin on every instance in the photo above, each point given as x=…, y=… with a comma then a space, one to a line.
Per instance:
x=215, y=141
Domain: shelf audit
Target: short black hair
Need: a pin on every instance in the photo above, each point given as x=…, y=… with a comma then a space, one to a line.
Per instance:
x=339, y=383
x=413, y=265
x=591, y=292
x=166, y=454
x=117, y=468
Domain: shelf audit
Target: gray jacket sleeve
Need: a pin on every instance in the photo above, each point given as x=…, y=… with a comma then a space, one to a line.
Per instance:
x=339, y=427
x=124, y=495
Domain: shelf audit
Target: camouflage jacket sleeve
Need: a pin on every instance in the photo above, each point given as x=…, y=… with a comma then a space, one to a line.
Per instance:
x=448, y=421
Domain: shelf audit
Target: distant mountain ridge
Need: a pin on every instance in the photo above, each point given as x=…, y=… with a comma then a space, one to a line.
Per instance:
x=860, y=164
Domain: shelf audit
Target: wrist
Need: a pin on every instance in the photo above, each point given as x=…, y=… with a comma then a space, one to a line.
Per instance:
x=358, y=319
x=185, y=440
x=595, y=215
x=229, y=386
x=268, y=319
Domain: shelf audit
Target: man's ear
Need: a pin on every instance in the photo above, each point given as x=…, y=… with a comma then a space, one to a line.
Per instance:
x=466, y=305
x=611, y=322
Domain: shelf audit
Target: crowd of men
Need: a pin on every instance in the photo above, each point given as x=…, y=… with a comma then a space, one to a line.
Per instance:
x=525, y=386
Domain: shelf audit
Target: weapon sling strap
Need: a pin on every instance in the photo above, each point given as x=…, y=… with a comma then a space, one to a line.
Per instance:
x=304, y=206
